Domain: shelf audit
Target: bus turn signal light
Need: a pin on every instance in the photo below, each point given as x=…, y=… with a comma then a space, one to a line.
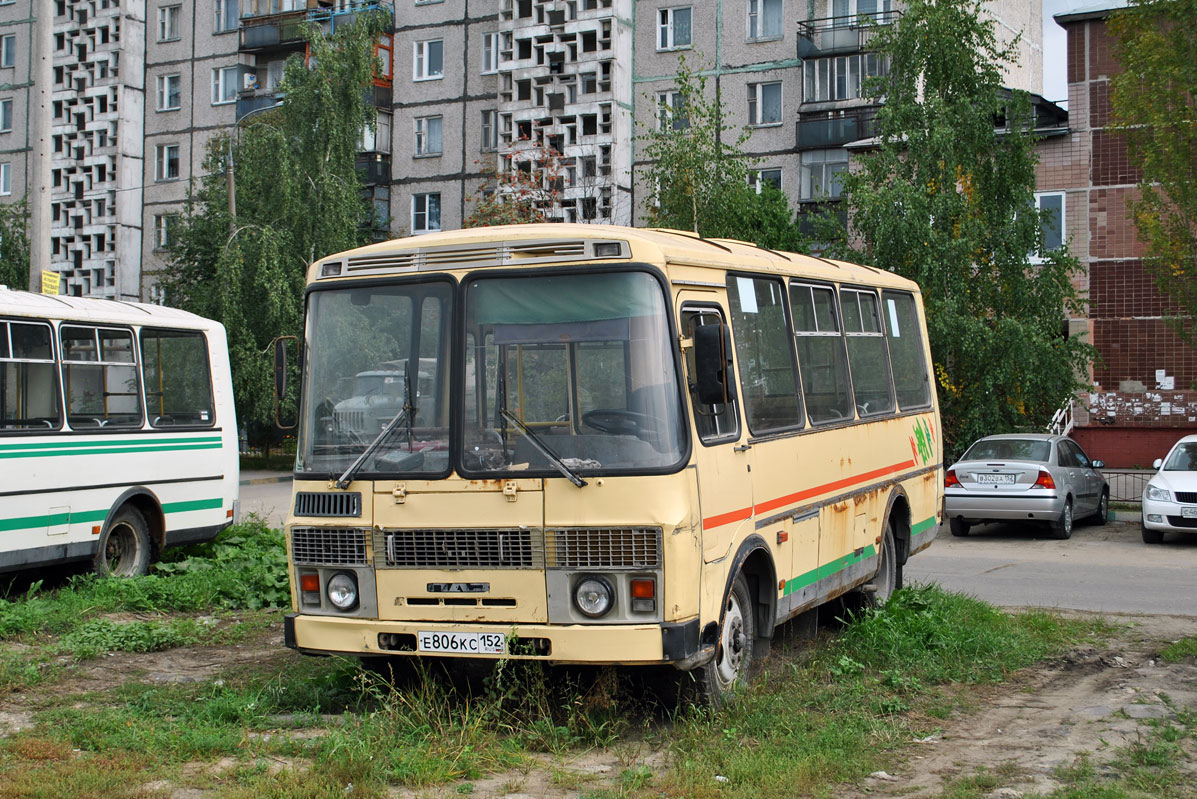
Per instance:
x=644, y=595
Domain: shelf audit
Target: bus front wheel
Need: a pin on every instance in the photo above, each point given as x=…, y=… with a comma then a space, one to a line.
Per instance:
x=734, y=655
x=124, y=547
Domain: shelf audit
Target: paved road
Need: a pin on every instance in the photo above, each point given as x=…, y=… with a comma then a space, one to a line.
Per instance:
x=1105, y=568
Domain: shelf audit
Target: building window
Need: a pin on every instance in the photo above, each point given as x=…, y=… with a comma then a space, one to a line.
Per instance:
x=166, y=164
x=490, y=53
x=224, y=85
x=425, y=213
x=429, y=60
x=839, y=78
x=226, y=15
x=6, y=178
x=428, y=135
x=168, y=23
x=377, y=139
x=853, y=8
x=821, y=174
x=8, y=50
x=764, y=103
x=5, y=116
x=1051, y=222
x=169, y=92
x=164, y=230
x=490, y=131
x=765, y=177
x=671, y=111
x=673, y=28
x=764, y=19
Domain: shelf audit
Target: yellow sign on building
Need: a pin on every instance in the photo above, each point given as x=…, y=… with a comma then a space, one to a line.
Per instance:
x=50, y=281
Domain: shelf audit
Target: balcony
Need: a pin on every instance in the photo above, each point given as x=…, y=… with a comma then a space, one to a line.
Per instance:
x=249, y=102
x=832, y=35
x=814, y=217
x=284, y=30
x=374, y=167
x=821, y=131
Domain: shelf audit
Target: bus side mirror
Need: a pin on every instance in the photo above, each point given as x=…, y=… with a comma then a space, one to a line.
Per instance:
x=713, y=364
x=283, y=360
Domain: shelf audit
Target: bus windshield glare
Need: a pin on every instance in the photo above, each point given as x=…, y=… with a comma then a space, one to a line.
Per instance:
x=581, y=361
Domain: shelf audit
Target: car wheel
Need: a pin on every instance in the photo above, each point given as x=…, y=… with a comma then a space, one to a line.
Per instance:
x=959, y=527
x=1151, y=536
x=1062, y=527
x=124, y=548
x=1102, y=514
x=729, y=669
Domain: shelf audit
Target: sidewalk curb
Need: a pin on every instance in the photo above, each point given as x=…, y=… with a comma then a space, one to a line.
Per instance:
x=261, y=481
x=1126, y=515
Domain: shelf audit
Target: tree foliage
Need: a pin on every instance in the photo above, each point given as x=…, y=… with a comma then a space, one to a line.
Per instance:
x=1152, y=101
x=14, y=245
x=698, y=177
x=947, y=199
x=520, y=187
x=298, y=198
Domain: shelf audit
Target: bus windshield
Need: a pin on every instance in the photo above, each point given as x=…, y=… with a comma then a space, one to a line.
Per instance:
x=373, y=354
x=582, y=361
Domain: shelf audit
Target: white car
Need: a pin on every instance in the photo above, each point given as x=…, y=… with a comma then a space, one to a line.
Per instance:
x=1170, y=498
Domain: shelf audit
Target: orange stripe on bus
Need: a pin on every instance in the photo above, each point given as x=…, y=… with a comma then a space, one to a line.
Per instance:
x=789, y=499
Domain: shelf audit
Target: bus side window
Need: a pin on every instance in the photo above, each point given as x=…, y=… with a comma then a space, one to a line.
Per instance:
x=821, y=354
x=28, y=389
x=99, y=377
x=178, y=385
x=868, y=355
x=715, y=423
x=906, y=350
x=768, y=371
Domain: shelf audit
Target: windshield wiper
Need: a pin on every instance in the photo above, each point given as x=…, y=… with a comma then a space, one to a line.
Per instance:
x=347, y=478
x=543, y=449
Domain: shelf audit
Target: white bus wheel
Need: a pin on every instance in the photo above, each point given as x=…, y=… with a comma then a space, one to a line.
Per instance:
x=124, y=547
x=733, y=660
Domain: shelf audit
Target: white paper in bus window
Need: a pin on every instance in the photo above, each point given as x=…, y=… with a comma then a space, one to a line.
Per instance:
x=747, y=293
x=893, y=319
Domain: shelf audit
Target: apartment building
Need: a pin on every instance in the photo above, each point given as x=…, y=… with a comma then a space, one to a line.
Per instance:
x=554, y=87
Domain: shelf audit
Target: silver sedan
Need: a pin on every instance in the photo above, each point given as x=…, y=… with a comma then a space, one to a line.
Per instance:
x=1025, y=477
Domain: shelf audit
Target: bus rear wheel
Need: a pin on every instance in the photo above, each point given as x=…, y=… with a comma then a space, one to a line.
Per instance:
x=124, y=547
x=734, y=654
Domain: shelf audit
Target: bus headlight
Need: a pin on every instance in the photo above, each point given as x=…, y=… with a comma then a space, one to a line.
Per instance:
x=594, y=596
x=342, y=591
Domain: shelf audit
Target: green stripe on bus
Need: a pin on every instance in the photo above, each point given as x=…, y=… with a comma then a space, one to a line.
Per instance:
x=923, y=526
x=82, y=517
x=108, y=450
x=828, y=569
x=132, y=442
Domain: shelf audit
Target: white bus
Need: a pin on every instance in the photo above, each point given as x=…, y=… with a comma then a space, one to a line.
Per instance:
x=118, y=436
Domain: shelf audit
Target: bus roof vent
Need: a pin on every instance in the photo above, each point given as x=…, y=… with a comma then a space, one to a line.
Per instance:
x=509, y=253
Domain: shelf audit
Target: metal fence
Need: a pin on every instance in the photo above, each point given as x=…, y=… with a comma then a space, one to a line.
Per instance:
x=1126, y=485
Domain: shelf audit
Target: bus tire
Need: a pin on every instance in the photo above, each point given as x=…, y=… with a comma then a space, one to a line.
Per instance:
x=728, y=670
x=889, y=573
x=124, y=547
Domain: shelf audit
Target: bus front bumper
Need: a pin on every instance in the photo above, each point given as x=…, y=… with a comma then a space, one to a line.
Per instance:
x=623, y=644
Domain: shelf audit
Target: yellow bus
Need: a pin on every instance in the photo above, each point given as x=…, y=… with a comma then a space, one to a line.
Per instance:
x=602, y=445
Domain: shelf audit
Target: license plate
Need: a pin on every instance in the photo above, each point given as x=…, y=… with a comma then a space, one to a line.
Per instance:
x=462, y=643
x=1000, y=479
x=1188, y=513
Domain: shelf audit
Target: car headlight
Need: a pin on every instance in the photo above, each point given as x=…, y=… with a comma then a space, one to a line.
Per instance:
x=1156, y=493
x=594, y=596
x=342, y=591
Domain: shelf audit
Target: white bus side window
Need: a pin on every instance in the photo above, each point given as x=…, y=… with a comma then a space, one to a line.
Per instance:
x=28, y=388
x=868, y=356
x=99, y=377
x=714, y=423
x=768, y=373
x=906, y=350
x=178, y=385
x=821, y=354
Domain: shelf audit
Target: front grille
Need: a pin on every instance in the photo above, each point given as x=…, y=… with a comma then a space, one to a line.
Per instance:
x=328, y=546
x=351, y=420
x=312, y=503
x=1180, y=521
x=603, y=548
x=1186, y=496
x=457, y=549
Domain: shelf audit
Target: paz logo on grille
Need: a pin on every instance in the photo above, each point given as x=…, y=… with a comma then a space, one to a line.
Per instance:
x=459, y=588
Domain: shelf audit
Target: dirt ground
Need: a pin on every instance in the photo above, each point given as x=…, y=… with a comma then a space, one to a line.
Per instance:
x=1093, y=700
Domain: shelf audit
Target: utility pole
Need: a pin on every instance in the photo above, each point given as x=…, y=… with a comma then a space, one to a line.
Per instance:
x=41, y=97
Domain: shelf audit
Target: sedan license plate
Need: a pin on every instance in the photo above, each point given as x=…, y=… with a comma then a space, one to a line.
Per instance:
x=1188, y=513
x=998, y=479
x=462, y=643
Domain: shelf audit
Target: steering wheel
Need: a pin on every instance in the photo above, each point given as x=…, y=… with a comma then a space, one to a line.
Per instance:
x=619, y=422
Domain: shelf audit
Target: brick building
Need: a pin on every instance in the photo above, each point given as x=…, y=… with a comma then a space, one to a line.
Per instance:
x=1145, y=394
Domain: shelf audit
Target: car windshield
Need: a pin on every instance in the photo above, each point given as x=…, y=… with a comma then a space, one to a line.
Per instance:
x=582, y=362
x=375, y=355
x=1009, y=449
x=1183, y=458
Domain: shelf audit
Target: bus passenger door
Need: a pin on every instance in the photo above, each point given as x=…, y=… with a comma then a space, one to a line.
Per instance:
x=722, y=463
